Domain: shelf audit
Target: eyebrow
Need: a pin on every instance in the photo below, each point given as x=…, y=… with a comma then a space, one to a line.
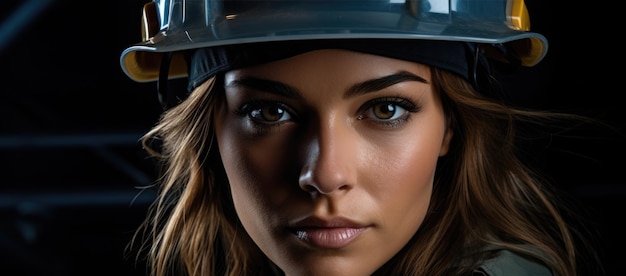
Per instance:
x=285, y=90
x=265, y=85
x=382, y=83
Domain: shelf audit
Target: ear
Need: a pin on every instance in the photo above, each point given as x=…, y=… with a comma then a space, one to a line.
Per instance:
x=445, y=145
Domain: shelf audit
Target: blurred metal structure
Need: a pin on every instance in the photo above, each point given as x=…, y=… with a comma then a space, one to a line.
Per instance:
x=17, y=20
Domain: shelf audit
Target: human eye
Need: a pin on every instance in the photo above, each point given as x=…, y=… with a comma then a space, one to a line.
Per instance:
x=265, y=112
x=388, y=111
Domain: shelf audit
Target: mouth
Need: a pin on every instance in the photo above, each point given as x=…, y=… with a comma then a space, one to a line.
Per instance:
x=330, y=234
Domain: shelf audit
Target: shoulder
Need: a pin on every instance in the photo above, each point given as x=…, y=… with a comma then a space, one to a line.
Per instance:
x=511, y=264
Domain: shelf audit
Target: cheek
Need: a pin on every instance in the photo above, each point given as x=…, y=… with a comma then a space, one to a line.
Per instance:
x=239, y=169
x=403, y=171
x=405, y=178
x=257, y=170
x=242, y=169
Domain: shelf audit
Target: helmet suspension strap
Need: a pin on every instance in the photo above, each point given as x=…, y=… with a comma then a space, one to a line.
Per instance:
x=166, y=97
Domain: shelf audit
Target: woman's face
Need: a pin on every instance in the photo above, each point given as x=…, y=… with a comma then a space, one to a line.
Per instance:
x=331, y=157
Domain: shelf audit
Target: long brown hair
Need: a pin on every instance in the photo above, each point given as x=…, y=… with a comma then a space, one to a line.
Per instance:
x=484, y=197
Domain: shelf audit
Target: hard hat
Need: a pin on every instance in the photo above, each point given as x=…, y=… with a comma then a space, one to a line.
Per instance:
x=174, y=26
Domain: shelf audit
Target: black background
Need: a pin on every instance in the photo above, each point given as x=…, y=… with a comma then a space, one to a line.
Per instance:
x=70, y=122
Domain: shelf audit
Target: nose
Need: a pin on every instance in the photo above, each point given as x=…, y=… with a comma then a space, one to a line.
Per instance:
x=331, y=160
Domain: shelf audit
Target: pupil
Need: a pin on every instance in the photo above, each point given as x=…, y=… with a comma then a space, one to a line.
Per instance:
x=273, y=113
x=385, y=111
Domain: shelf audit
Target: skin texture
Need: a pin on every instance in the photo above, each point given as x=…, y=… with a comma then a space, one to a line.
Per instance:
x=335, y=184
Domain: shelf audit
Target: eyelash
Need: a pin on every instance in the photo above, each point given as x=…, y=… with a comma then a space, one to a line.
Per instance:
x=261, y=125
x=247, y=110
x=408, y=106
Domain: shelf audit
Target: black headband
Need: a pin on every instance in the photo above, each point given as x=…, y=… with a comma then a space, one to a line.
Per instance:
x=204, y=63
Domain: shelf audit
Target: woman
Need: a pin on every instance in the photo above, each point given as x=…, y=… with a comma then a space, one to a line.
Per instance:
x=321, y=153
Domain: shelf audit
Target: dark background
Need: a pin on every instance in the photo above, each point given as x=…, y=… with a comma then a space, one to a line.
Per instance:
x=70, y=122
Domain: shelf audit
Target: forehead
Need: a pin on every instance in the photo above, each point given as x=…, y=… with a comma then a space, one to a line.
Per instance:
x=332, y=64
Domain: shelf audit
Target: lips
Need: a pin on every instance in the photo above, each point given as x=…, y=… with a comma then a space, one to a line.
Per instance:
x=332, y=234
